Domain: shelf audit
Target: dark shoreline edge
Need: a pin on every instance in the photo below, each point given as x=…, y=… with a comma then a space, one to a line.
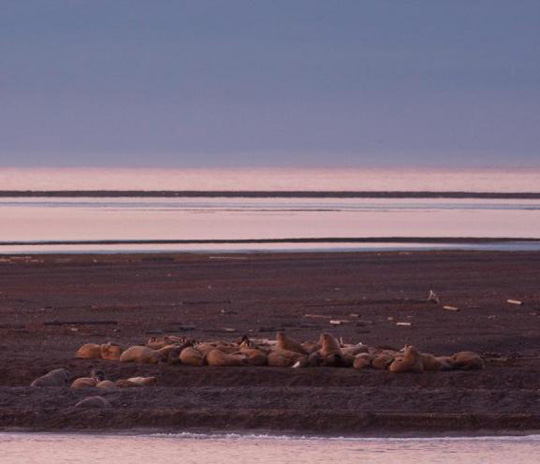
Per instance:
x=263, y=194
x=419, y=240
x=274, y=434
x=320, y=424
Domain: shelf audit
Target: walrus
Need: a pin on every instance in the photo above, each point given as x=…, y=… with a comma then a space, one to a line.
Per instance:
x=106, y=384
x=157, y=343
x=245, y=342
x=289, y=344
x=142, y=355
x=89, y=351
x=110, y=351
x=381, y=361
x=363, y=360
x=124, y=383
x=254, y=357
x=311, y=347
x=219, y=358
x=173, y=356
x=93, y=402
x=467, y=360
x=313, y=360
x=95, y=377
x=431, y=363
x=329, y=345
x=191, y=356
x=97, y=374
x=54, y=378
x=446, y=363
x=284, y=358
x=355, y=350
x=84, y=382
x=205, y=348
x=335, y=360
x=143, y=381
x=410, y=362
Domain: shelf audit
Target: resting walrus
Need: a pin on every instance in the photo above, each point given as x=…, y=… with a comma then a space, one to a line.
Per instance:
x=89, y=351
x=54, y=378
x=191, y=356
x=411, y=361
x=142, y=355
x=96, y=376
x=289, y=344
x=467, y=360
x=254, y=356
x=110, y=351
x=285, y=358
x=329, y=345
x=93, y=402
x=219, y=358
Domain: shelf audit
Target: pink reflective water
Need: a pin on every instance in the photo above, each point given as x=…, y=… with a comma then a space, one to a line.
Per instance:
x=189, y=449
x=140, y=218
x=211, y=219
x=311, y=179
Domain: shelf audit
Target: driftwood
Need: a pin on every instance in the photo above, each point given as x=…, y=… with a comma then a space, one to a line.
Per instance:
x=450, y=308
x=59, y=323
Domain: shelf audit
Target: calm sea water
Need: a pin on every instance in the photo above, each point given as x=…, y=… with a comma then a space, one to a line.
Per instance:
x=45, y=219
x=232, y=449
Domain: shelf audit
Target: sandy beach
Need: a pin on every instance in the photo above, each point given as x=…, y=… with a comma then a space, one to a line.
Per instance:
x=52, y=304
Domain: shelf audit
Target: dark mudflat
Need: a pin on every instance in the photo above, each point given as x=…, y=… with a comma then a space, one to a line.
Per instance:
x=50, y=305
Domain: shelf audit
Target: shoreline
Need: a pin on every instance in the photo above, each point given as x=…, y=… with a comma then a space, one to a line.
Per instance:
x=52, y=304
x=389, y=240
x=268, y=194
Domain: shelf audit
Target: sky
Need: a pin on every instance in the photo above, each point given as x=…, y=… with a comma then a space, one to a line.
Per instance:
x=210, y=83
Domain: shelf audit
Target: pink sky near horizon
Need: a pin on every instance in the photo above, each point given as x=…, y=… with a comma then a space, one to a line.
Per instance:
x=273, y=179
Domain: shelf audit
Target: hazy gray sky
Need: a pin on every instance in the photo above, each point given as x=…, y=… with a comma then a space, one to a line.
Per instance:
x=263, y=82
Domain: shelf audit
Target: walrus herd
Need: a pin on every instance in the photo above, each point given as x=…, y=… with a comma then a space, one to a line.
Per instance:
x=327, y=351
x=284, y=351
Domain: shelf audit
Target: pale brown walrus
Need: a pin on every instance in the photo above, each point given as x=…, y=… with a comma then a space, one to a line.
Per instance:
x=254, y=356
x=329, y=345
x=110, y=351
x=411, y=361
x=311, y=347
x=157, y=343
x=467, y=360
x=54, y=378
x=95, y=377
x=363, y=360
x=219, y=358
x=446, y=362
x=285, y=358
x=142, y=355
x=431, y=363
x=93, y=402
x=382, y=360
x=286, y=343
x=191, y=356
x=89, y=351
x=143, y=381
x=205, y=348
x=106, y=384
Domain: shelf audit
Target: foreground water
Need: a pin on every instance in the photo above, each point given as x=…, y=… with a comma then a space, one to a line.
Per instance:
x=37, y=448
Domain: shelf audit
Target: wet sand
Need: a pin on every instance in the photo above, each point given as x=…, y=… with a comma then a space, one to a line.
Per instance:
x=50, y=305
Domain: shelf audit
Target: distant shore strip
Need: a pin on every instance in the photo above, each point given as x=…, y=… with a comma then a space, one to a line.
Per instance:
x=263, y=194
x=420, y=240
